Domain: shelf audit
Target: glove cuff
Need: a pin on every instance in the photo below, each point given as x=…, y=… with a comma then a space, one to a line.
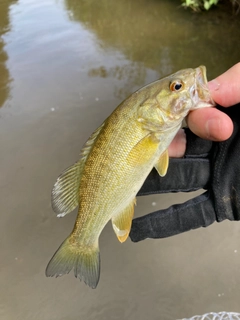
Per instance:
x=226, y=170
x=193, y=214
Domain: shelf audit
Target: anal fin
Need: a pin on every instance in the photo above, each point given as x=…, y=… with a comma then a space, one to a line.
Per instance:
x=122, y=222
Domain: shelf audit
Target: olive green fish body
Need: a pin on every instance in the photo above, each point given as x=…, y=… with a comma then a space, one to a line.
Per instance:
x=111, y=166
x=114, y=163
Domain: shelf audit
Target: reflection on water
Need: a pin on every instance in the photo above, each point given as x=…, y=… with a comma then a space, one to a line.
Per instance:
x=160, y=34
x=131, y=74
x=4, y=28
x=142, y=34
x=72, y=62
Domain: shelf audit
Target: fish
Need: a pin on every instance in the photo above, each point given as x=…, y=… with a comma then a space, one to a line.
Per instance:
x=114, y=163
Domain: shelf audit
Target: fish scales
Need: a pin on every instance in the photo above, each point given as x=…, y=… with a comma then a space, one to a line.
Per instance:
x=114, y=163
x=110, y=163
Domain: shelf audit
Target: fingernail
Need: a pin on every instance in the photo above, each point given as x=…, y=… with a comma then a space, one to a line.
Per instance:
x=212, y=126
x=213, y=85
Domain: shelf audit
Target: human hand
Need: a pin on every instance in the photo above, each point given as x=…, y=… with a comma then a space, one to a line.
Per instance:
x=211, y=123
x=213, y=166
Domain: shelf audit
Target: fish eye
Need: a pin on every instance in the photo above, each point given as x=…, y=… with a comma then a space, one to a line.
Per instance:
x=176, y=85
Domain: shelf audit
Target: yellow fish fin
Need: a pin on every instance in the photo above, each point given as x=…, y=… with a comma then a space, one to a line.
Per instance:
x=122, y=222
x=90, y=142
x=162, y=164
x=143, y=151
x=84, y=260
x=65, y=193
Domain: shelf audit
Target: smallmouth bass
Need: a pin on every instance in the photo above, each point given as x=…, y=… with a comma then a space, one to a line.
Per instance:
x=114, y=164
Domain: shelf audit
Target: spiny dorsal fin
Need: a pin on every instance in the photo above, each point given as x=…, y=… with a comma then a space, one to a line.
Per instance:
x=65, y=193
x=162, y=164
x=122, y=222
x=89, y=143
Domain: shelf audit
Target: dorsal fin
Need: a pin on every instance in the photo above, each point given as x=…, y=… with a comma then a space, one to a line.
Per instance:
x=65, y=193
x=89, y=143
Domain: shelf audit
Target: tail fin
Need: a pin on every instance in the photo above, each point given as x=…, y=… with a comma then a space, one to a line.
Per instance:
x=84, y=261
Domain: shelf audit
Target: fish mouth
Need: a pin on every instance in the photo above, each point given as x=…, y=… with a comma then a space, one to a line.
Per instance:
x=202, y=92
x=202, y=75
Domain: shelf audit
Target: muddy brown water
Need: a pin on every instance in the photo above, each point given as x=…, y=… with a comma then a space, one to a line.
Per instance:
x=64, y=66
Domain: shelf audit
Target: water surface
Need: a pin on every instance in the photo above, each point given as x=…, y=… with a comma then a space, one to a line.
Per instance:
x=64, y=66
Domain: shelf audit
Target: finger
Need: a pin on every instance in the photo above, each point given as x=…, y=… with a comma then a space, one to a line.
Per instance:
x=178, y=146
x=184, y=175
x=210, y=123
x=225, y=89
x=193, y=214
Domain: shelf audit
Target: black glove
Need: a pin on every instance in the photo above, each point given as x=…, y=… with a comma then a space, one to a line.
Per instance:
x=213, y=166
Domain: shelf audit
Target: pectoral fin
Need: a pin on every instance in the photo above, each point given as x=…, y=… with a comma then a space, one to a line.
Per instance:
x=122, y=222
x=144, y=150
x=162, y=164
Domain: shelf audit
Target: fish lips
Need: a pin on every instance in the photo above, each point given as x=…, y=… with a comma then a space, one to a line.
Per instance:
x=200, y=91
